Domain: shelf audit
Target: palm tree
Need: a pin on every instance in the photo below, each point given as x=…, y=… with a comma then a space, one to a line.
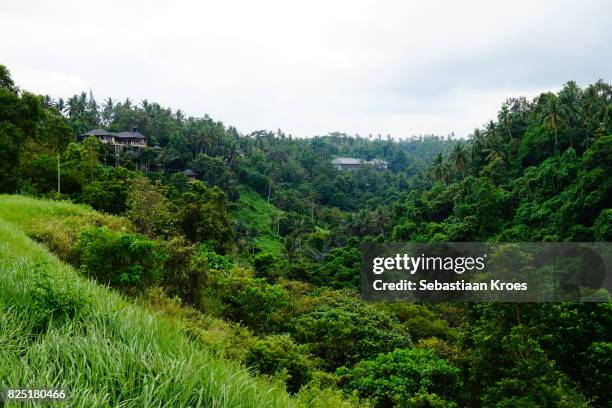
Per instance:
x=61, y=105
x=290, y=248
x=490, y=130
x=553, y=115
x=570, y=100
x=167, y=156
x=439, y=169
x=504, y=117
x=496, y=153
x=74, y=107
x=570, y=97
x=596, y=107
x=108, y=110
x=459, y=158
x=360, y=222
x=272, y=171
x=493, y=145
x=478, y=138
x=379, y=220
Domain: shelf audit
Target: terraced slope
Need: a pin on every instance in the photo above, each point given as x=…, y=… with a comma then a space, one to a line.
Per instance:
x=60, y=329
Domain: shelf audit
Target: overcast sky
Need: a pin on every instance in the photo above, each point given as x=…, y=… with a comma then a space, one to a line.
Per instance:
x=310, y=67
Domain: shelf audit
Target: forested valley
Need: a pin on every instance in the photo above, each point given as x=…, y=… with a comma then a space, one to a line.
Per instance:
x=258, y=260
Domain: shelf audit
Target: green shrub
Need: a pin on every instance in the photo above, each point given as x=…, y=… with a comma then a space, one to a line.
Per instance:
x=340, y=269
x=314, y=396
x=345, y=330
x=256, y=304
x=443, y=349
x=245, y=299
x=120, y=259
x=187, y=267
x=420, y=322
x=205, y=257
x=598, y=366
x=405, y=378
x=54, y=300
x=278, y=354
x=149, y=209
x=204, y=216
x=602, y=228
x=58, y=239
x=224, y=339
x=265, y=266
x=179, y=279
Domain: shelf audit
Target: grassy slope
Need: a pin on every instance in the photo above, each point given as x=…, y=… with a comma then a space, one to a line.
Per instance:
x=104, y=350
x=258, y=214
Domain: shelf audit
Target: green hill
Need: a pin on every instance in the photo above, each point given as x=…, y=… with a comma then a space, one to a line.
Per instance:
x=261, y=217
x=60, y=329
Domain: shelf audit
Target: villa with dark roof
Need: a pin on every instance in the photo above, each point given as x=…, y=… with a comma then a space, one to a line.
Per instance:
x=191, y=174
x=133, y=140
x=349, y=163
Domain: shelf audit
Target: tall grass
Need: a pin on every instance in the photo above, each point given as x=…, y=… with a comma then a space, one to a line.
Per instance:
x=58, y=329
x=56, y=224
x=27, y=212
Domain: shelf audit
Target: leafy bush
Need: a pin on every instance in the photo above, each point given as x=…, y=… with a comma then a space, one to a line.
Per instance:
x=420, y=322
x=121, y=259
x=598, y=366
x=204, y=216
x=315, y=396
x=257, y=302
x=534, y=381
x=243, y=298
x=110, y=192
x=149, y=209
x=187, y=268
x=215, y=172
x=58, y=239
x=405, y=378
x=54, y=301
x=222, y=338
x=345, y=330
x=340, y=269
x=603, y=226
x=278, y=354
x=444, y=349
x=204, y=256
x=266, y=267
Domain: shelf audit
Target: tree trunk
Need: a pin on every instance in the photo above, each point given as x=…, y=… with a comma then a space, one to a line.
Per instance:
x=269, y=190
x=59, y=187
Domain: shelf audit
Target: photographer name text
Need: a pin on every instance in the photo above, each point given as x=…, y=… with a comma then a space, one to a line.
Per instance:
x=425, y=285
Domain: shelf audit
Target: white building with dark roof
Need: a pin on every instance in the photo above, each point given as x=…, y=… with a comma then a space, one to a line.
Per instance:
x=133, y=139
x=350, y=163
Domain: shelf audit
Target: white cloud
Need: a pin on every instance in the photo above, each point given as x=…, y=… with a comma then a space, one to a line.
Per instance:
x=49, y=82
x=310, y=67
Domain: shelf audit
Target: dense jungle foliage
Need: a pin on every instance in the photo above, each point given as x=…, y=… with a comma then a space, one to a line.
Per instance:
x=266, y=245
